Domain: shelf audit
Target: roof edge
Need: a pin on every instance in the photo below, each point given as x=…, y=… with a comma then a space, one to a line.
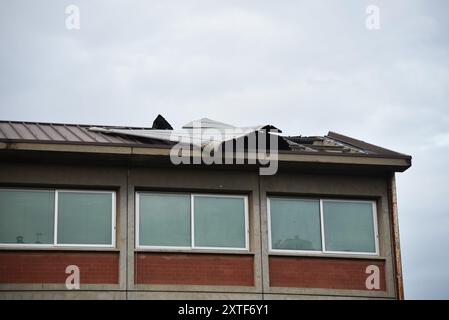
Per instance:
x=398, y=164
x=365, y=145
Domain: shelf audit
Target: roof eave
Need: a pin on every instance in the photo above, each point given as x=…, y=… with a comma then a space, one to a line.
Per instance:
x=393, y=163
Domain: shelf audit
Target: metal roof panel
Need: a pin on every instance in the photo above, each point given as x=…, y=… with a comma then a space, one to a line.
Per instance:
x=139, y=136
x=9, y=131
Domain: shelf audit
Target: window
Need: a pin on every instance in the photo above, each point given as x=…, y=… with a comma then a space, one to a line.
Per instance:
x=295, y=224
x=187, y=221
x=219, y=222
x=322, y=226
x=84, y=217
x=349, y=226
x=164, y=220
x=57, y=218
x=27, y=217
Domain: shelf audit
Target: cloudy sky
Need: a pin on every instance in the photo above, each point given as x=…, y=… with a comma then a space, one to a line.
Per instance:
x=305, y=66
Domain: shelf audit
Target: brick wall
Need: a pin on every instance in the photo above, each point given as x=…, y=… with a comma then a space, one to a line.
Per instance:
x=324, y=273
x=49, y=266
x=194, y=269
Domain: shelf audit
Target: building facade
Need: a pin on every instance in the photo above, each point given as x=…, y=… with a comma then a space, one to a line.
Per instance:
x=138, y=227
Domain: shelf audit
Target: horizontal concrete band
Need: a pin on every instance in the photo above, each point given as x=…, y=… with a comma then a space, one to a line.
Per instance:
x=167, y=295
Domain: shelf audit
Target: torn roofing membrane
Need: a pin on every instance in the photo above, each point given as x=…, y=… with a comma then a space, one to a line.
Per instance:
x=198, y=133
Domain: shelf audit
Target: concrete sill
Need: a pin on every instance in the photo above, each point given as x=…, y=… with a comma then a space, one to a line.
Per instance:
x=195, y=251
x=84, y=249
x=326, y=255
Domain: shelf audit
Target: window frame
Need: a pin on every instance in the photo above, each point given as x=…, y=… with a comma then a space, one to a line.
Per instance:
x=55, y=243
x=192, y=246
x=323, y=250
x=269, y=226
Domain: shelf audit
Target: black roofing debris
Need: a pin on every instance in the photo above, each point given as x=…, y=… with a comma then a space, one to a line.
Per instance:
x=161, y=124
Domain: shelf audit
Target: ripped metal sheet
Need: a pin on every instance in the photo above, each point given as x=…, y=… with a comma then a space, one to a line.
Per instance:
x=200, y=133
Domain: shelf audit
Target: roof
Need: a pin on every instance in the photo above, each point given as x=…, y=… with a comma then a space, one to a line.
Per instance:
x=18, y=131
x=201, y=133
x=60, y=133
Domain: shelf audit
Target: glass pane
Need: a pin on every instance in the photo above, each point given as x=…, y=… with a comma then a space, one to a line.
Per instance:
x=84, y=218
x=164, y=220
x=219, y=222
x=26, y=216
x=295, y=224
x=349, y=226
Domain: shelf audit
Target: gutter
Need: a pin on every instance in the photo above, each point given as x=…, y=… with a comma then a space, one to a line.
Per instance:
x=401, y=163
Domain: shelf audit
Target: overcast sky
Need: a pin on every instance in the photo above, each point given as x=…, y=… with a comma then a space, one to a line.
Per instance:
x=306, y=67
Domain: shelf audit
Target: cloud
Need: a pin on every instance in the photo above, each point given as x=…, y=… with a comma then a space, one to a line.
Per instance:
x=441, y=140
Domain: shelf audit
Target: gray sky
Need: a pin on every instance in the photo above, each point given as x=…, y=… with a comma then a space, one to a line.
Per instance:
x=305, y=66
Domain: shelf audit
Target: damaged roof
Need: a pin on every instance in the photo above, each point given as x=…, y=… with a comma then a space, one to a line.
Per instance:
x=201, y=133
x=156, y=136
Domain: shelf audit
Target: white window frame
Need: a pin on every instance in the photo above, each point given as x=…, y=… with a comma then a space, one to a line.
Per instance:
x=113, y=219
x=323, y=250
x=55, y=243
x=192, y=246
x=269, y=226
x=137, y=221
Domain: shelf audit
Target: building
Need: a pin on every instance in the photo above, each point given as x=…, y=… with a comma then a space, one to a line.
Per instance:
x=109, y=201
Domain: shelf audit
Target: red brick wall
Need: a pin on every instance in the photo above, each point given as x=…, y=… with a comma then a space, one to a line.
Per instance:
x=194, y=269
x=325, y=273
x=49, y=266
